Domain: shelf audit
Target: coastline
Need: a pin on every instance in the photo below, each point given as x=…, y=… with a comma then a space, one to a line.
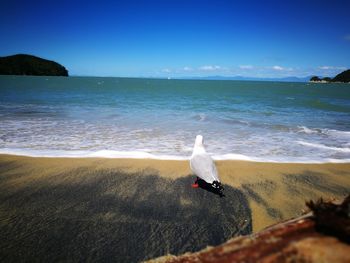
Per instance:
x=141, y=155
x=275, y=191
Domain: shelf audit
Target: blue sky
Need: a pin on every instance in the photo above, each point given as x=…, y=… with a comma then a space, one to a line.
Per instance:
x=182, y=38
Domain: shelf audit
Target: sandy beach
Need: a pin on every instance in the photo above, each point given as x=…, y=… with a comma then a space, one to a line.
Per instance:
x=145, y=207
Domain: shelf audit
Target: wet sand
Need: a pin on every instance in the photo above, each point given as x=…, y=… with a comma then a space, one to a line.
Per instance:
x=135, y=209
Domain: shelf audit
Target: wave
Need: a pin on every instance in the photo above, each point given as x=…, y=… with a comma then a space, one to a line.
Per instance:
x=304, y=129
x=325, y=147
x=200, y=117
x=327, y=106
x=233, y=156
x=339, y=133
x=90, y=154
x=283, y=159
x=234, y=121
x=146, y=155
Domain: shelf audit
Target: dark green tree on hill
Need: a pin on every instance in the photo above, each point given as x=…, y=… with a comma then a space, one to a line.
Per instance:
x=30, y=65
x=343, y=77
x=315, y=78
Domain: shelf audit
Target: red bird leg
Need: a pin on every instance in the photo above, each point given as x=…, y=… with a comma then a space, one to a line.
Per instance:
x=195, y=185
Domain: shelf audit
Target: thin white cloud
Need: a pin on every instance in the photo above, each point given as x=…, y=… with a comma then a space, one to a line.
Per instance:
x=209, y=68
x=248, y=70
x=332, y=68
x=347, y=37
x=187, y=69
x=246, y=67
x=278, y=68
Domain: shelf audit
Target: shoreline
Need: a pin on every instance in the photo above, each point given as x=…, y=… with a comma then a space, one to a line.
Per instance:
x=138, y=155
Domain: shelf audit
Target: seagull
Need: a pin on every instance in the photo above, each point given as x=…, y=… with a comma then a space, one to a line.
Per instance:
x=203, y=166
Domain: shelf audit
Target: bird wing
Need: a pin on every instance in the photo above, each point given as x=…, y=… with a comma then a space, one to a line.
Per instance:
x=204, y=167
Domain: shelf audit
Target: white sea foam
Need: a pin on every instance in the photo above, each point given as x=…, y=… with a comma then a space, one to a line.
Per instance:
x=339, y=133
x=307, y=130
x=233, y=156
x=325, y=147
x=89, y=154
x=144, y=155
x=331, y=132
x=128, y=122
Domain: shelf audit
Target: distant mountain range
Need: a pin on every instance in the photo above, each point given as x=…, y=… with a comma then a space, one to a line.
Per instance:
x=22, y=64
x=285, y=79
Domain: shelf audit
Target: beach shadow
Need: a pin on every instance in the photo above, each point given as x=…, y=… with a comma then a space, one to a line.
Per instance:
x=253, y=191
x=107, y=215
x=308, y=181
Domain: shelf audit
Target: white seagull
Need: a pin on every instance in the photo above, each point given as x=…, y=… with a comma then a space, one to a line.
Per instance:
x=202, y=165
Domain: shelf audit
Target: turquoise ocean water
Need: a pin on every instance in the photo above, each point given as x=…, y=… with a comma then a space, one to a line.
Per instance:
x=159, y=118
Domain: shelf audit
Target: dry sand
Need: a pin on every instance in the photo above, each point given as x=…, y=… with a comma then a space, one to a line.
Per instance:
x=275, y=191
x=108, y=201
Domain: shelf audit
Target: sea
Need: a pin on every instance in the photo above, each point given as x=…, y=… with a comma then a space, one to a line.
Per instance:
x=160, y=118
